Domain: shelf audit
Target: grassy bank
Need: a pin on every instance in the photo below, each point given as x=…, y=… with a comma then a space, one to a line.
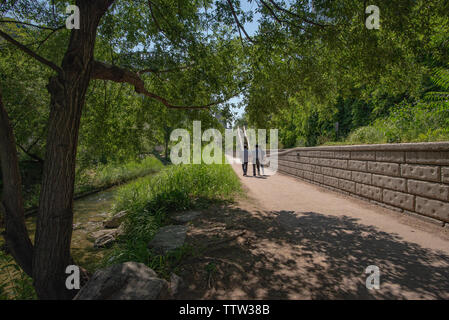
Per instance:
x=149, y=200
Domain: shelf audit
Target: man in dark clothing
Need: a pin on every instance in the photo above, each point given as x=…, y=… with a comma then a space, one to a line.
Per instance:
x=245, y=160
x=256, y=161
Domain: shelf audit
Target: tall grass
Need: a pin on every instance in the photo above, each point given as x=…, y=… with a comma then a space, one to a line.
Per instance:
x=149, y=199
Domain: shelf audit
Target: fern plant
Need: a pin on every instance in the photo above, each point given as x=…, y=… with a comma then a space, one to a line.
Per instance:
x=439, y=78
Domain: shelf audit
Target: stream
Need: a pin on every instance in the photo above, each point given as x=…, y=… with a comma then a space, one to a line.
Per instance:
x=88, y=214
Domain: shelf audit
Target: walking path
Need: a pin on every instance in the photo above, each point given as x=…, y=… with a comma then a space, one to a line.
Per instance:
x=293, y=240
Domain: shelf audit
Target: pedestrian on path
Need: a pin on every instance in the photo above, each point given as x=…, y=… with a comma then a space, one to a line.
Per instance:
x=245, y=160
x=256, y=160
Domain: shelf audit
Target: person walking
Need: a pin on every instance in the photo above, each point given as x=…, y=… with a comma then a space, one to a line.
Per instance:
x=245, y=160
x=262, y=160
x=256, y=161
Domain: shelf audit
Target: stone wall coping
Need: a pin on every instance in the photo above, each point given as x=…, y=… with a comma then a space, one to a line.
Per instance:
x=421, y=146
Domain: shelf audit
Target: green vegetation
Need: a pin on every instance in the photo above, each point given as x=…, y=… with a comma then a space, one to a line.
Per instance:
x=420, y=123
x=104, y=176
x=149, y=200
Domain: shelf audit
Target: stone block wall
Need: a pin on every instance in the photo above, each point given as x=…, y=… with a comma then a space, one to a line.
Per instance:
x=411, y=177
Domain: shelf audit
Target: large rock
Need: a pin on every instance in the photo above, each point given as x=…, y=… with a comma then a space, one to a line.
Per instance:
x=115, y=221
x=185, y=216
x=168, y=238
x=126, y=281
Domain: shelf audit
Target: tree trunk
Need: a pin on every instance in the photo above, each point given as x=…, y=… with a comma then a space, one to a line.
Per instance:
x=16, y=234
x=55, y=218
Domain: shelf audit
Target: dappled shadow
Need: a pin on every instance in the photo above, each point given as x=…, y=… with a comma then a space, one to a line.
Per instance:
x=288, y=255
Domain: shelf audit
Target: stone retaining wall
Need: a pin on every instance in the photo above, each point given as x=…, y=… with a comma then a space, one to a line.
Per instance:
x=409, y=177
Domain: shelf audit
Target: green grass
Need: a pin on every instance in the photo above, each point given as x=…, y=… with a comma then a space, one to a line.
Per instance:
x=148, y=200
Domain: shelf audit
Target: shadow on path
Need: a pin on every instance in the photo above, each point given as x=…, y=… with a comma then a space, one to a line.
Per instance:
x=287, y=255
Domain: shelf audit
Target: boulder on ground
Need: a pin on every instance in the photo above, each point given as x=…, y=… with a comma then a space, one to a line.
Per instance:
x=185, y=217
x=115, y=221
x=168, y=238
x=126, y=281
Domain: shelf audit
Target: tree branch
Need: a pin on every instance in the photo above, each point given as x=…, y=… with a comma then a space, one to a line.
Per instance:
x=239, y=25
x=295, y=15
x=103, y=71
x=279, y=20
x=158, y=26
x=31, y=25
x=48, y=36
x=30, y=52
x=31, y=155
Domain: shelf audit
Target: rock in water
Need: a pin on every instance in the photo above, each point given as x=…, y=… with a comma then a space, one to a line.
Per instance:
x=105, y=240
x=115, y=221
x=126, y=281
x=168, y=238
x=185, y=216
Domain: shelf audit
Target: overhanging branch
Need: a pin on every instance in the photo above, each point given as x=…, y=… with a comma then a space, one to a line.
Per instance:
x=239, y=25
x=103, y=71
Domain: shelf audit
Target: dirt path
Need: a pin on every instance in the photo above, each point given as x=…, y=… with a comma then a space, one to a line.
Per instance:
x=292, y=240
